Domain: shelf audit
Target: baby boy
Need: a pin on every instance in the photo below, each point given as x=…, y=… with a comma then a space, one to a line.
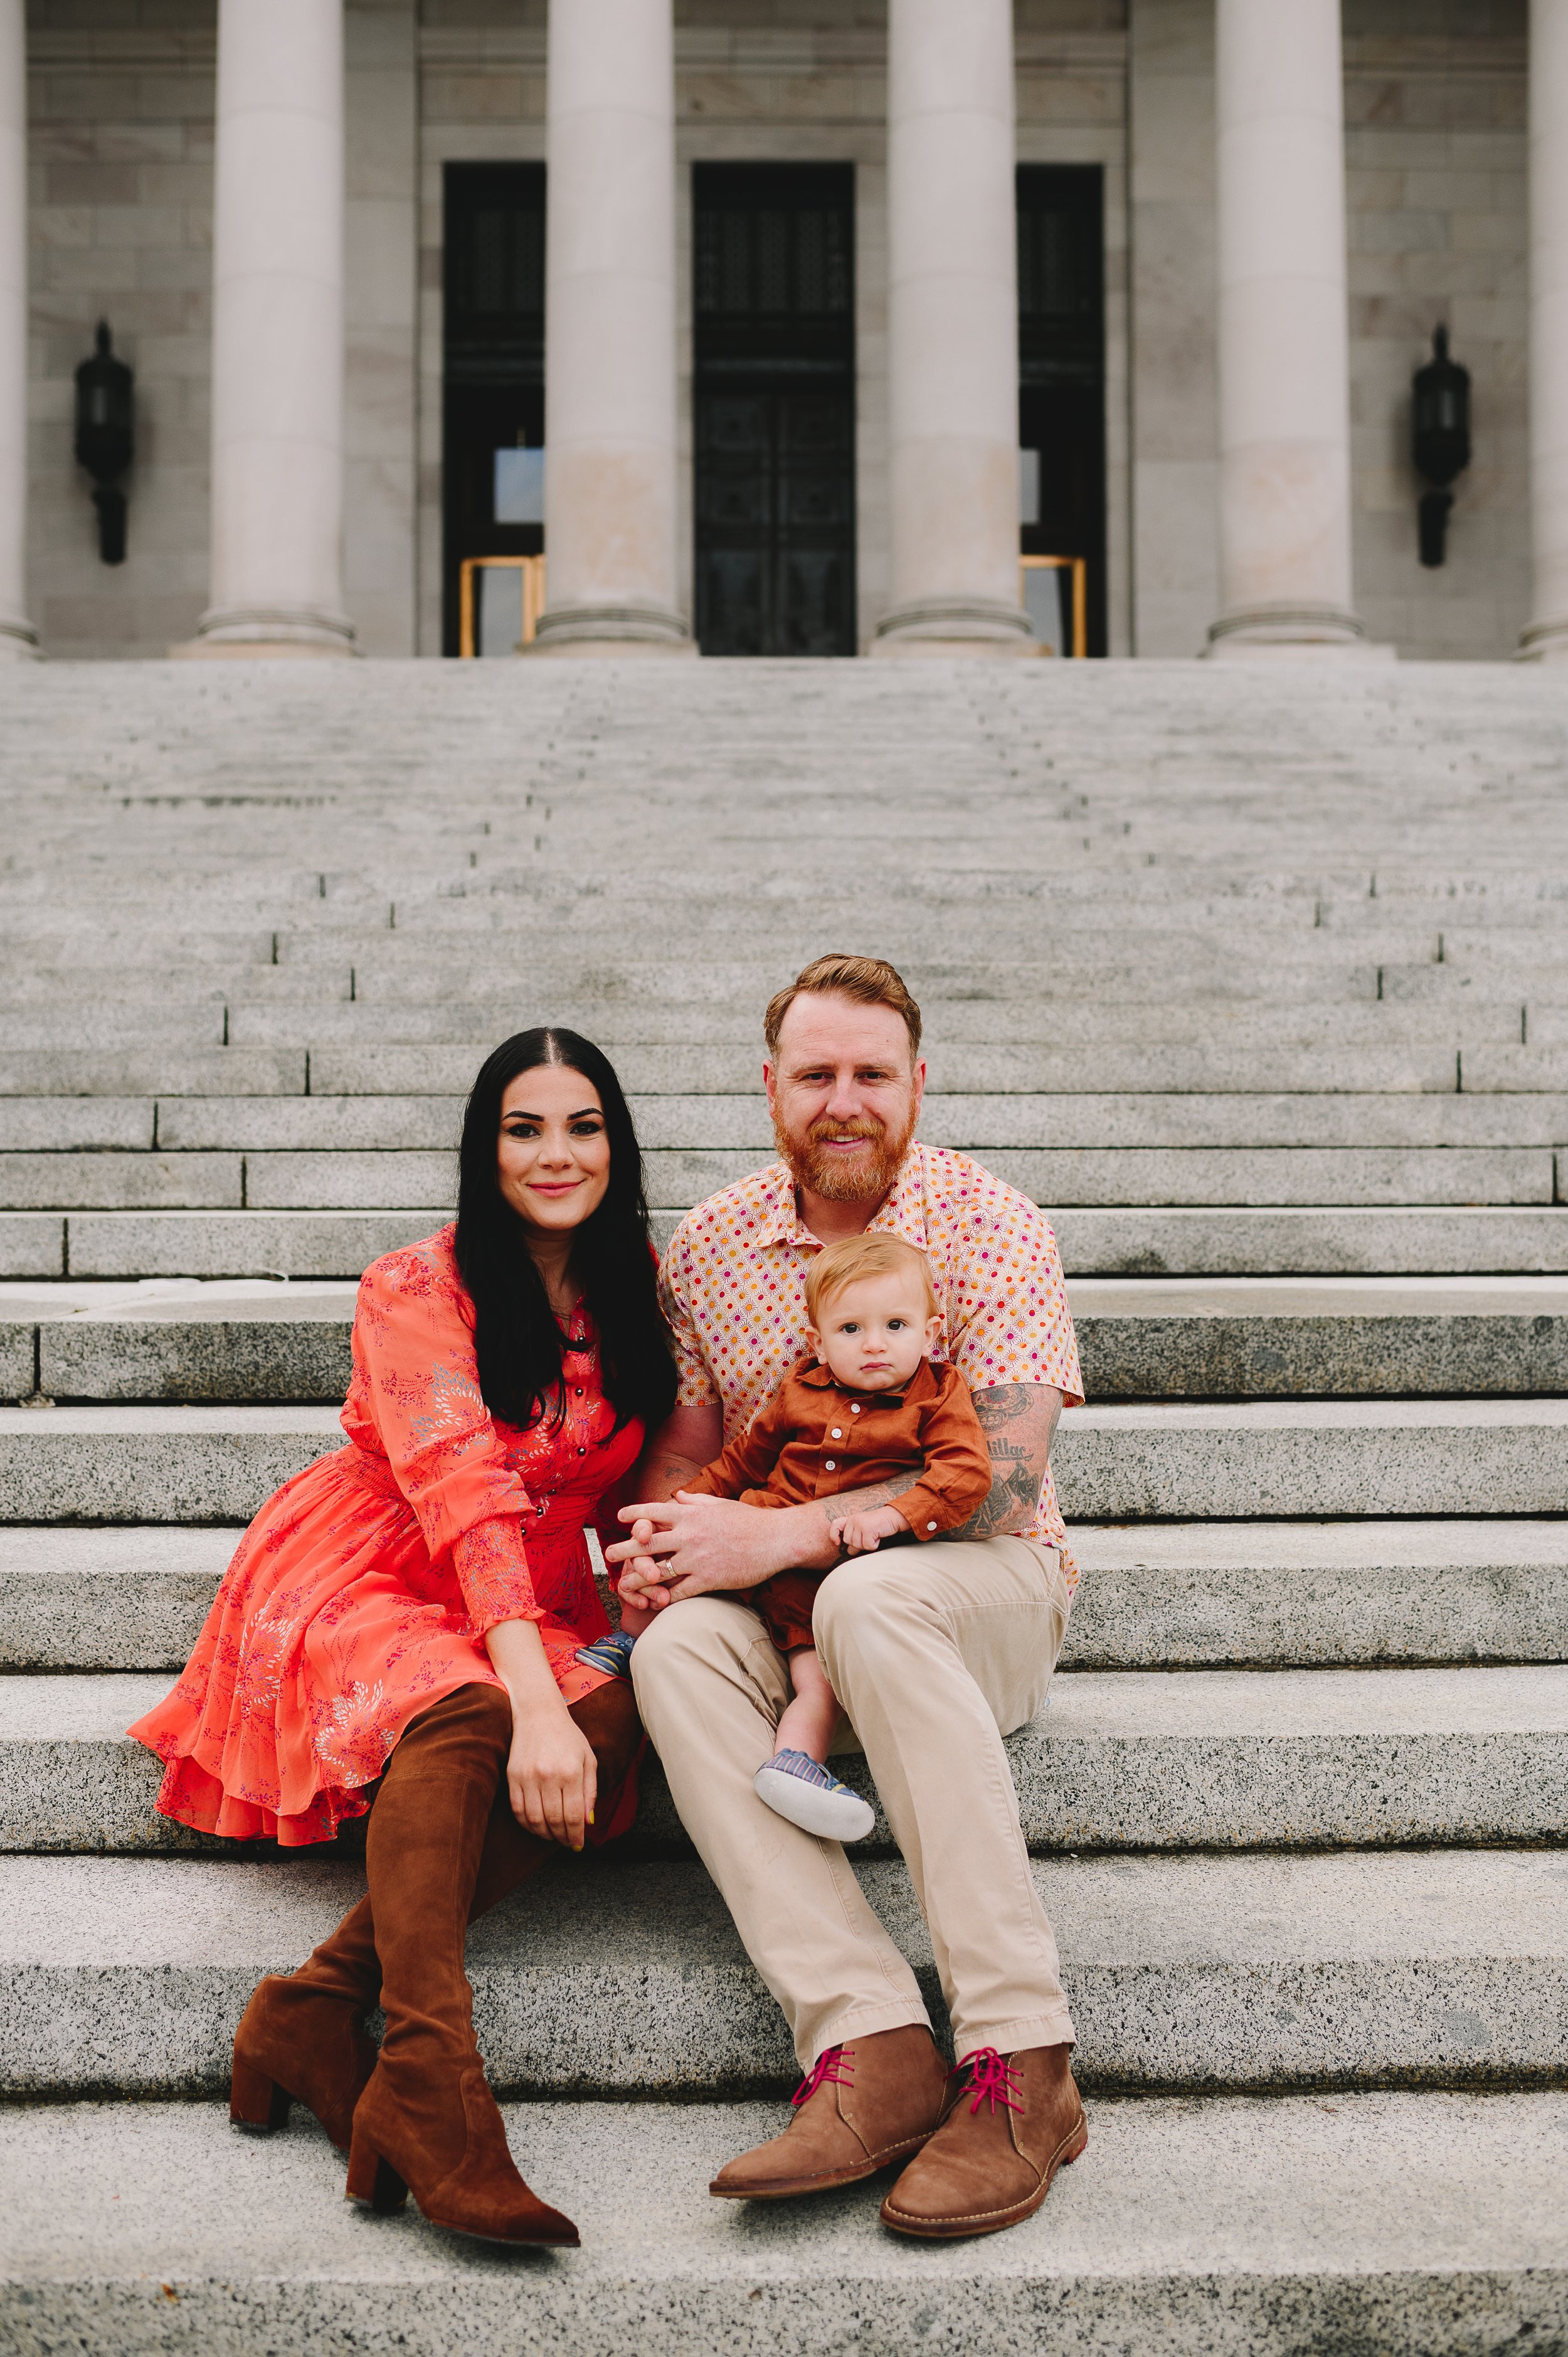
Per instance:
x=868, y=1409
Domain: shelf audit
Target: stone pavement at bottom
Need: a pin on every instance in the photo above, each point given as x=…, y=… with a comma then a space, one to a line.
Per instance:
x=1257, y=978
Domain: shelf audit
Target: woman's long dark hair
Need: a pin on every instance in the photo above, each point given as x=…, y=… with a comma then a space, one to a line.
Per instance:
x=516, y=1337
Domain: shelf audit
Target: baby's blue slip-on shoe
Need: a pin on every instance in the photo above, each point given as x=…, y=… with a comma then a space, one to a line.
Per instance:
x=612, y=1653
x=796, y=1786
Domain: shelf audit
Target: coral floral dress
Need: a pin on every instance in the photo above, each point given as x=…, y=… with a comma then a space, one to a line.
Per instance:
x=362, y=1591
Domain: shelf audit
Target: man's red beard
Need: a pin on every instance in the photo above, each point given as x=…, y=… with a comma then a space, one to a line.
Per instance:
x=838, y=1177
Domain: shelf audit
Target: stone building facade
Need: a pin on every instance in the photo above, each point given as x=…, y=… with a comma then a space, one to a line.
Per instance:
x=1133, y=109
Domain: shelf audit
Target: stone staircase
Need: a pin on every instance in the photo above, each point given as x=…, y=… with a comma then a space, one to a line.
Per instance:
x=1259, y=979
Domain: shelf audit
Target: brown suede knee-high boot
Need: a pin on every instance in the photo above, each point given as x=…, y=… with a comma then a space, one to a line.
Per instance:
x=427, y=2121
x=302, y=2037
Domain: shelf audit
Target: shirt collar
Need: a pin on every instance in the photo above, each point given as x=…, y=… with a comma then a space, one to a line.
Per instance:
x=922, y=1385
x=903, y=1213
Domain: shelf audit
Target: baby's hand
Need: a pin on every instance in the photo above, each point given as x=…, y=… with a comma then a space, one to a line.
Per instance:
x=634, y=1617
x=861, y=1533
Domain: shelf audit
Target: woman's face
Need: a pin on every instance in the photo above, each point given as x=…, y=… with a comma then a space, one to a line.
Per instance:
x=553, y=1156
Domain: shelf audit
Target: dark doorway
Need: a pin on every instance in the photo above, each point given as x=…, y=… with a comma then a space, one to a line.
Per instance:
x=494, y=368
x=774, y=408
x=1061, y=370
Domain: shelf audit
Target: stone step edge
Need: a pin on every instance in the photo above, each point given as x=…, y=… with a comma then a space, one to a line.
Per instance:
x=1214, y=1240
x=1266, y=1760
x=1425, y=2223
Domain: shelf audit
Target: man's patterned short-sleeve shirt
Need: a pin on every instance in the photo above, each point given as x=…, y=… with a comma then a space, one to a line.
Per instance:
x=733, y=1285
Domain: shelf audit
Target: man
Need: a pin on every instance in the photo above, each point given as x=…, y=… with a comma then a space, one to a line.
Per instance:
x=935, y=1650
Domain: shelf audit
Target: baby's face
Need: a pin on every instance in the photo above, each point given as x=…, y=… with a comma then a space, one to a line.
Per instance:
x=875, y=1332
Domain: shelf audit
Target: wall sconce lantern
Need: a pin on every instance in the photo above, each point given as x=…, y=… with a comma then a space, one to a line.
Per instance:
x=106, y=438
x=1440, y=439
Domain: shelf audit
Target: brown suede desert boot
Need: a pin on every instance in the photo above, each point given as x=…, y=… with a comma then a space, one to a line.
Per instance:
x=1016, y=2120
x=858, y=2108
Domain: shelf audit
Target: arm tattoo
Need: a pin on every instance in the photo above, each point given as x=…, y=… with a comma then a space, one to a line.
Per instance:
x=1017, y=1420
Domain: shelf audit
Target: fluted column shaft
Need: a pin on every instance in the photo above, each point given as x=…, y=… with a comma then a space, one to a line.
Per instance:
x=952, y=331
x=609, y=332
x=1546, y=634
x=1284, y=402
x=277, y=333
x=18, y=636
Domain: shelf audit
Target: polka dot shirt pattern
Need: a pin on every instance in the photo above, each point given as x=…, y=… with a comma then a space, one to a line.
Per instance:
x=733, y=1282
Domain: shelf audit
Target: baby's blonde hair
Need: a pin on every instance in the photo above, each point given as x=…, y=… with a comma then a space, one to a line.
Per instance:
x=845, y=1263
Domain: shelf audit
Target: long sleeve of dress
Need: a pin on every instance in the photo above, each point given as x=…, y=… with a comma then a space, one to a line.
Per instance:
x=418, y=1387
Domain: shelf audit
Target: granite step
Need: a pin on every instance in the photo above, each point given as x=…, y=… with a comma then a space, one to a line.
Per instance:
x=1426, y=2224
x=1237, y=1178
x=1119, y=1761
x=717, y=1118
x=1074, y=1066
x=1235, y=1240
x=1186, y=1595
x=1284, y=1460
x=260, y=1342
x=1441, y=1967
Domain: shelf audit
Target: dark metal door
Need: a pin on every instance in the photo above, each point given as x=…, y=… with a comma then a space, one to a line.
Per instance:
x=1061, y=367
x=775, y=410
x=494, y=358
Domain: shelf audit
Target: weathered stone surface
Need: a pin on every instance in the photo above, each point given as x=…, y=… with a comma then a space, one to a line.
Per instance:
x=113, y=1181
x=1420, y=2225
x=91, y=1599
x=240, y=1243
x=1306, y=1458
x=1440, y=1966
x=1157, y=1762
x=153, y=1464
x=1285, y=1593
x=187, y=1072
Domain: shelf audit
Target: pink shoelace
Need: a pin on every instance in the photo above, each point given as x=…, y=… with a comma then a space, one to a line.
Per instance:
x=991, y=2080
x=829, y=2070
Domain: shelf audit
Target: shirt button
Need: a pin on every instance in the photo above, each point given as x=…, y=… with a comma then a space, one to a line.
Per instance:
x=854, y=1408
x=579, y=1391
x=837, y=1434
x=833, y=1466
x=582, y=1452
x=930, y=1526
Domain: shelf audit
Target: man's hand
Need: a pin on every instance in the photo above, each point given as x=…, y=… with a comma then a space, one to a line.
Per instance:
x=862, y=1534
x=689, y=1546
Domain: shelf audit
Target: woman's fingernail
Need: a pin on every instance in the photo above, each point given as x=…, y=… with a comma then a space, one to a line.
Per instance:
x=590, y=1816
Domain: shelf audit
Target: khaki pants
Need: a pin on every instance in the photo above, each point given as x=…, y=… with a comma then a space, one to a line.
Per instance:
x=936, y=1652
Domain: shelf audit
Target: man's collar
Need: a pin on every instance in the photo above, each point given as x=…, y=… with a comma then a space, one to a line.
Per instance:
x=902, y=1211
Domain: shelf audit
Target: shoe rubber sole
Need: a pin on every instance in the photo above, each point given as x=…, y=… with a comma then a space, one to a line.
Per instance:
x=832, y=1816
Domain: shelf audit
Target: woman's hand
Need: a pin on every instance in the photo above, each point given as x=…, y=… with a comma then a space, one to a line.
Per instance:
x=552, y=1775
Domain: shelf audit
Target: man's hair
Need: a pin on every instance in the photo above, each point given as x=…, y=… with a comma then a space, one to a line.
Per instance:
x=852, y=1257
x=870, y=982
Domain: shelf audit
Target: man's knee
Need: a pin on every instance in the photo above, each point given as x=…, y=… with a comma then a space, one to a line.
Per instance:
x=699, y=1633
x=871, y=1593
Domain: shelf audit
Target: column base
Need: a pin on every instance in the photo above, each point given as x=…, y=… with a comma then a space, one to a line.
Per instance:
x=971, y=627
x=1299, y=632
x=267, y=634
x=18, y=640
x=632, y=628
x=1543, y=642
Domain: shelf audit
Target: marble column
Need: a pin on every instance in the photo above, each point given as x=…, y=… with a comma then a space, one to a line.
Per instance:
x=18, y=636
x=277, y=334
x=609, y=333
x=1285, y=396
x=1545, y=637
x=952, y=332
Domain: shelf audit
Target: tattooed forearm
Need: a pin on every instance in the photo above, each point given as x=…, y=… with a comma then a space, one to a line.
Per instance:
x=1017, y=1420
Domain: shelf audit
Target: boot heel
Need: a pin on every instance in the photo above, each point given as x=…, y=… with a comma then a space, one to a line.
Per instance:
x=257, y=2102
x=372, y=2179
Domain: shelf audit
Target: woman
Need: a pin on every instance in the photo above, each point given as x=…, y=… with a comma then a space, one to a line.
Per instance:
x=410, y=1609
